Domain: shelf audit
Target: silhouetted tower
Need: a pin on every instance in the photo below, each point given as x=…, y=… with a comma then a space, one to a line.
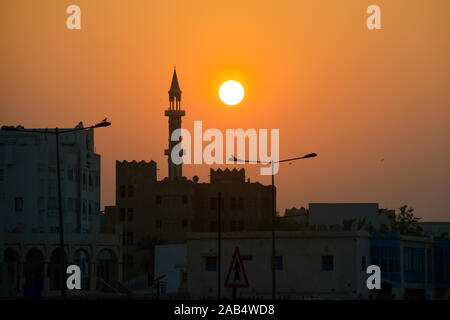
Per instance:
x=174, y=113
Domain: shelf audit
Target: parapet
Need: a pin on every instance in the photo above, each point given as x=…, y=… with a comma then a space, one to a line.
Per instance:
x=227, y=176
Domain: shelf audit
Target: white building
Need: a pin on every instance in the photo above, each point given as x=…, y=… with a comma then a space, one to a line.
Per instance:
x=28, y=181
x=436, y=229
x=309, y=265
x=320, y=265
x=29, y=209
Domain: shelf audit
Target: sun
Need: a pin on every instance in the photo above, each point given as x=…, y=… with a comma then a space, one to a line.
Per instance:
x=231, y=92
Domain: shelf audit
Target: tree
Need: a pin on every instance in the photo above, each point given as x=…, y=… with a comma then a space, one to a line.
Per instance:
x=370, y=227
x=383, y=228
x=282, y=223
x=348, y=223
x=362, y=223
x=405, y=222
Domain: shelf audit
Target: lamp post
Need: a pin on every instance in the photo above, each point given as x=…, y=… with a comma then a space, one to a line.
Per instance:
x=219, y=254
x=309, y=155
x=57, y=132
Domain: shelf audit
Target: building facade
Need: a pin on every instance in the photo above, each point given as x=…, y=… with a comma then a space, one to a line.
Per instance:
x=165, y=211
x=28, y=184
x=322, y=265
x=29, y=211
x=309, y=265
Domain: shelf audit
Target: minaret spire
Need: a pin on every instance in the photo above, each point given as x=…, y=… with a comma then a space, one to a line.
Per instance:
x=174, y=113
x=175, y=92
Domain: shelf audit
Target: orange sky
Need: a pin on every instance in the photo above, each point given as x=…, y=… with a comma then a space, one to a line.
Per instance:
x=310, y=68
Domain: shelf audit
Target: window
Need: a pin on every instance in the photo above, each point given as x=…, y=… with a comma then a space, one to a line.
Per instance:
x=90, y=209
x=1, y=174
x=70, y=174
x=185, y=223
x=158, y=224
x=130, y=214
x=124, y=239
x=278, y=262
x=266, y=202
x=158, y=200
x=237, y=225
x=210, y=264
x=69, y=204
x=241, y=203
x=363, y=263
x=391, y=265
x=84, y=208
x=130, y=261
x=84, y=178
x=130, y=238
x=41, y=203
x=51, y=203
x=407, y=252
x=19, y=204
x=122, y=214
x=233, y=204
x=90, y=180
x=214, y=226
x=246, y=258
x=375, y=262
x=130, y=191
x=122, y=191
x=327, y=263
x=214, y=203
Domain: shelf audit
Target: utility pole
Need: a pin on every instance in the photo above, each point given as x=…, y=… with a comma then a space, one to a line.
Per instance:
x=219, y=254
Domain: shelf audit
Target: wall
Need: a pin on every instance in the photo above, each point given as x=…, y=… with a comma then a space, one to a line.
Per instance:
x=302, y=276
x=171, y=261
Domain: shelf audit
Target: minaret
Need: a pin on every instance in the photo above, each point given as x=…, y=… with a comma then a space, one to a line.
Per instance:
x=174, y=113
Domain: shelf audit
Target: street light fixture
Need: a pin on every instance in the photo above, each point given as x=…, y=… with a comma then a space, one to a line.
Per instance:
x=309, y=155
x=57, y=132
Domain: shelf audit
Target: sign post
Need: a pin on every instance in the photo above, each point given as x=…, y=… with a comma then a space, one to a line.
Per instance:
x=236, y=277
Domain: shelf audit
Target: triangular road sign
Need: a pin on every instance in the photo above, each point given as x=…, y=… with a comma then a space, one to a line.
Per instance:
x=236, y=277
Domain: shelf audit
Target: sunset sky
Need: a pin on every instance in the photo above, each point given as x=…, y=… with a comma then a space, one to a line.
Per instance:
x=309, y=68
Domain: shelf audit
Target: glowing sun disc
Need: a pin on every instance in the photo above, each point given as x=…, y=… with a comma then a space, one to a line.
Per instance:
x=231, y=92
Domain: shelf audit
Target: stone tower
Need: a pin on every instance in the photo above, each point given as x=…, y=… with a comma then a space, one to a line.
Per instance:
x=174, y=113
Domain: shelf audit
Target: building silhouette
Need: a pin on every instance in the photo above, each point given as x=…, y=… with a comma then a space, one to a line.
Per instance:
x=165, y=211
x=174, y=113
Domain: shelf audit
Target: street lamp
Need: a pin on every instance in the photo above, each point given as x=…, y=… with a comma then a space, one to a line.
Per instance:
x=309, y=155
x=57, y=132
